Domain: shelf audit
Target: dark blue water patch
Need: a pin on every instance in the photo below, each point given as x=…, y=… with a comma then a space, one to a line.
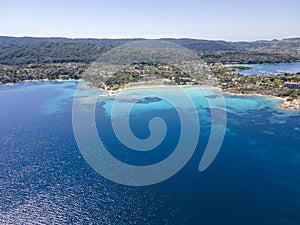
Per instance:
x=147, y=100
x=139, y=124
x=44, y=178
x=212, y=96
x=239, y=187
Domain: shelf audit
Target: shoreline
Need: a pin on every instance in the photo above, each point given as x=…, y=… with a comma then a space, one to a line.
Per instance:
x=42, y=80
x=284, y=104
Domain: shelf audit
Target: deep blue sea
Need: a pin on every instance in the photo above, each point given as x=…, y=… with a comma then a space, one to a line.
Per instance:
x=44, y=179
x=270, y=68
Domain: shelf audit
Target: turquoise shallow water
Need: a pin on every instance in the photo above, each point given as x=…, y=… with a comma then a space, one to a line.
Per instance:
x=44, y=178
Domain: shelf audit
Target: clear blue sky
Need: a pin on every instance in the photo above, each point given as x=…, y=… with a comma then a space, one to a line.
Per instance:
x=209, y=19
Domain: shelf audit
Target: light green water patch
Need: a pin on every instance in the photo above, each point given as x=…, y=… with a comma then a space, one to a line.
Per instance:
x=268, y=132
x=277, y=119
x=252, y=142
x=156, y=98
x=280, y=116
x=239, y=105
x=56, y=103
x=59, y=92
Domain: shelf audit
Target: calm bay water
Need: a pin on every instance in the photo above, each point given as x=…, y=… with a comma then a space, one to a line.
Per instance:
x=45, y=180
x=270, y=68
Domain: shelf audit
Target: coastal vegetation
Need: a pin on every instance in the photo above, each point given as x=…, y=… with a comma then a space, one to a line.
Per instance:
x=49, y=71
x=145, y=73
x=271, y=85
x=61, y=58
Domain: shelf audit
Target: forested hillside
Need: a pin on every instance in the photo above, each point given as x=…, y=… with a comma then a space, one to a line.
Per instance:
x=52, y=58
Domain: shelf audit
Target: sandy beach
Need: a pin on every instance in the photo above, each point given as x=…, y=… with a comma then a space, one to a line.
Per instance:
x=284, y=103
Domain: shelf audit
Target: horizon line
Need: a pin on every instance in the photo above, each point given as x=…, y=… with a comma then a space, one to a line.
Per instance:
x=148, y=38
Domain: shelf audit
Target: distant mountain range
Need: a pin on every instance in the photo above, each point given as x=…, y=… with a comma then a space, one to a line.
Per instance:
x=32, y=50
x=290, y=44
